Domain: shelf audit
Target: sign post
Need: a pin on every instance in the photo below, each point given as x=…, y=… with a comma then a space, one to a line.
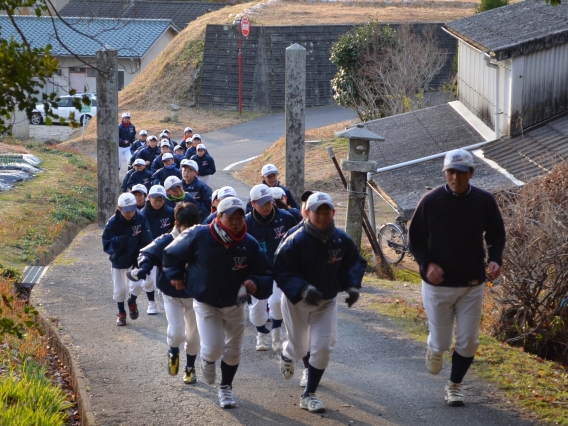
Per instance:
x=245, y=28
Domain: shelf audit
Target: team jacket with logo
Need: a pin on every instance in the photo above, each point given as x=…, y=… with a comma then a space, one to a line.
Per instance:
x=138, y=144
x=214, y=273
x=126, y=135
x=148, y=154
x=160, y=221
x=191, y=151
x=270, y=235
x=123, y=239
x=332, y=267
x=289, y=199
x=159, y=177
x=142, y=177
x=201, y=193
x=206, y=164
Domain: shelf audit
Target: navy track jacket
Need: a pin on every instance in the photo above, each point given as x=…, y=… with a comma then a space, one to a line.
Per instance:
x=270, y=235
x=160, y=221
x=126, y=135
x=201, y=193
x=214, y=273
x=123, y=239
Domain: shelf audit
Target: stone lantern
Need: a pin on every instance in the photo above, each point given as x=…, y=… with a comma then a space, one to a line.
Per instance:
x=359, y=165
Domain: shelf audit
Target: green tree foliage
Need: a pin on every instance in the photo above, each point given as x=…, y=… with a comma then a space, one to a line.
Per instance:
x=486, y=5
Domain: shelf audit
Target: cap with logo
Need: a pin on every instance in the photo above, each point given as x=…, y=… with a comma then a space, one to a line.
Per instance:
x=125, y=115
x=171, y=182
x=277, y=193
x=200, y=146
x=187, y=130
x=127, y=202
x=226, y=191
x=164, y=142
x=139, y=188
x=189, y=163
x=317, y=199
x=230, y=206
x=269, y=169
x=143, y=132
x=458, y=159
x=157, y=191
x=139, y=162
x=261, y=194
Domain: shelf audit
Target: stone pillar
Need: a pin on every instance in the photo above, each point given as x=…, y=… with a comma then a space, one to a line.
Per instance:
x=107, y=133
x=295, y=118
x=358, y=165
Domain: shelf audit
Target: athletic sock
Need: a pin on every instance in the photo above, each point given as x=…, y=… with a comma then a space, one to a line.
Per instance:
x=173, y=350
x=190, y=360
x=132, y=299
x=150, y=295
x=121, y=307
x=276, y=323
x=314, y=377
x=263, y=329
x=228, y=373
x=460, y=365
x=306, y=360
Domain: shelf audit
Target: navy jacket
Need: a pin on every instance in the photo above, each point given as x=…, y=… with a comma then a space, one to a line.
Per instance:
x=201, y=193
x=123, y=239
x=290, y=200
x=159, y=221
x=185, y=144
x=151, y=256
x=296, y=213
x=177, y=160
x=210, y=218
x=148, y=154
x=126, y=135
x=302, y=259
x=124, y=185
x=206, y=164
x=191, y=151
x=137, y=145
x=161, y=175
x=213, y=273
x=142, y=177
x=270, y=234
x=187, y=198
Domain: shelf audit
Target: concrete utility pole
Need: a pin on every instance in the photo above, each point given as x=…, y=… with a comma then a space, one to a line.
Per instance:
x=107, y=133
x=295, y=118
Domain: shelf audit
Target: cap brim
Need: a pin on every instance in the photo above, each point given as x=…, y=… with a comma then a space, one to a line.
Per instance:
x=262, y=201
x=157, y=195
x=132, y=208
x=316, y=205
x=175, y=185
x=232, y=210
x=460, y=167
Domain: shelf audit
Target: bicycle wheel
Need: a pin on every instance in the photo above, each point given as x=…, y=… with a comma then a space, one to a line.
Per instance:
x=392, y=243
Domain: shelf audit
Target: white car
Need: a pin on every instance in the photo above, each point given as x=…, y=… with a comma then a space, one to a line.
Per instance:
x=64, y=109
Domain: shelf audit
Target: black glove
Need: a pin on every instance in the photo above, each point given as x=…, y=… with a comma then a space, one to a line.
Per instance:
x=353, y=296
x=311, y=295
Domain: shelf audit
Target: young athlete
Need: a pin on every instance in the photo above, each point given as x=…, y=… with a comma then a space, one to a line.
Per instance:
x=269, y=174
x=159, y=177
x=223, y=192
x=126, y=137
x=200, y=192
x=222, y=264
x=140, y=175
x=149, y=152
x=313, y=264
x=205, y=163
x=280, y=202
x=175, y=191
x=139, y=143
x=182, y=326
x=140, y=192
x=192, y=150
x=186, y=142
x=125, y=233
x=178, y=155
x=268, y=225
x=158, y=162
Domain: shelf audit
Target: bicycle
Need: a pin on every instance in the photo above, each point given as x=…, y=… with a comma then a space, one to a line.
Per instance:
x=393, y=240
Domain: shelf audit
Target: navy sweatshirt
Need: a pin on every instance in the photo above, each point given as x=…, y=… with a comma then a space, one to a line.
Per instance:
x=160, y=221
x=205, y=163
x=201, y=193
x=449, y=229
x=213, y=272
x=269, y=233
x=123, y=239
x=142, y=177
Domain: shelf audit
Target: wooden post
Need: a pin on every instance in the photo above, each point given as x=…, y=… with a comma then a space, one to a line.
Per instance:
x=107, y=134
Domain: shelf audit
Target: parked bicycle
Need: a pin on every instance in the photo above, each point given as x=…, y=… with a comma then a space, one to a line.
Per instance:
x=393, y=240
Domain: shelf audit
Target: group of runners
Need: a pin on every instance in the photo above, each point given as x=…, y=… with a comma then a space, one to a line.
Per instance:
x=286, y=263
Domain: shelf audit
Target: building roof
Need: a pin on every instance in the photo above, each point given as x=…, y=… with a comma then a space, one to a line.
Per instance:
x=515, y=30
x=84, y=36
x=533, y=153
x=180, y=12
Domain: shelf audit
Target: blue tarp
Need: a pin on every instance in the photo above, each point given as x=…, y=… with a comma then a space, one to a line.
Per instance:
x=17, y=167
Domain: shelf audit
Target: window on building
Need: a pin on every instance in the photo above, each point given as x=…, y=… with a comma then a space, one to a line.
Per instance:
x=91, y=72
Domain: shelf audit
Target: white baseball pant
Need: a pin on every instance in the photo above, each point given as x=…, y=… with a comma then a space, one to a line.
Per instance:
x=152, y=274
x=442, y=305
x=310, y=329
x=221, y=331
x=123, y=154
x=123, y=286
x=182, y=325
x=257, y=310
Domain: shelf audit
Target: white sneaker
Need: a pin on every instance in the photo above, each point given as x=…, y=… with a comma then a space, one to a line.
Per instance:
x=208, y=372
x=152, y=310
x=304, y=379
x=312, y=404
x=161, y=300
x=226, y=397
x=286, y=367
x=434, y=361
x=262, y=341
x=276, y=339
x=453, y=394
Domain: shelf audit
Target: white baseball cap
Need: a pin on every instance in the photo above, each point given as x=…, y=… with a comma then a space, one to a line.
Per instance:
x=164, y=142
x=127, y=202
x=269, y=169
x=125, y=115
x=187, y=130
x=177, y=148
x=139, y=162
x=214, y=195
x=172, y=182
x=458, y=159
x=317, y=199
x=261, y=194
x=226, y=192
x=166, y=131
x=143, y=132
x=189, y=163
x=163, y=135
x=157, y=191
x=167, y=156
x=153, y=137
x=196, y=136
x=200, y=146
x=230, y=205
x=277, y=193
x=140, y=188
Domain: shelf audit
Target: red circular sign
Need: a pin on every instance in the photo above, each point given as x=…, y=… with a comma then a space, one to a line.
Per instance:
x=245, y=26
